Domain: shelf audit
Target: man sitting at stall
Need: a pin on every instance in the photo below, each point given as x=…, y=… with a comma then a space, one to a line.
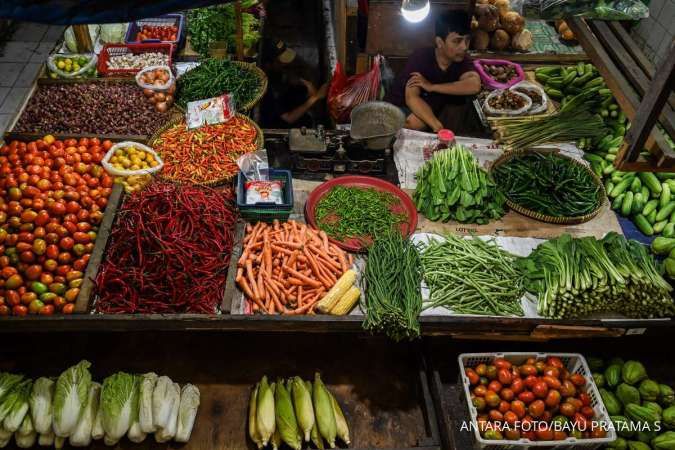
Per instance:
x=437, y=76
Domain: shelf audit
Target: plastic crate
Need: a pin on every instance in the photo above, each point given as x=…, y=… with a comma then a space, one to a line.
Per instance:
x=267, y=212
x=164, y=20
x=575, y=363
x=110, y=50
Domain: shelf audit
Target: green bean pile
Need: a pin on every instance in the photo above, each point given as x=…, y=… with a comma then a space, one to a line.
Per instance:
x=214, y=77
x=549, y=184
x=472, y=276
x=354, y=212
x=393, y=278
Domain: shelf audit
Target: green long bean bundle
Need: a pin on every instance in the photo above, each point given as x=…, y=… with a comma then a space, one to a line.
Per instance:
x=393, y=278
x=215, y=77
x=355, y=212
x=472, y=276
x=549, y=184
x=577, y=277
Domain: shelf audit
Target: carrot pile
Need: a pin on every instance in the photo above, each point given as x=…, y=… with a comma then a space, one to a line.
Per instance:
x=287, y=268
x=206, y=154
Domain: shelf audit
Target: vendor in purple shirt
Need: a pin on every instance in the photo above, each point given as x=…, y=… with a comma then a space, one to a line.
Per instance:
x=434, y=77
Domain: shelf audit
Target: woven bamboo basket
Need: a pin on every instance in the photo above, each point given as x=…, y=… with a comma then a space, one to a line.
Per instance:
x=507, y=156
x=262, y=82
x=178, y=119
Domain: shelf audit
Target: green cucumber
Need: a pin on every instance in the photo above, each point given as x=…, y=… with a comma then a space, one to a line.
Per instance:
x=669, y=230
x=605, y=92
x=590, y=157
x=621, y=187
x=553, y=93
x=638, y=203
x=608, y=169
x=609, y=185
x=627, y=204
x=610, y=157
x=649, y=207
x=665, y=175
x=665, y=195
x=636, y=185
x=659, y=226
x=569, y=78
x=643, y=225
x=597, y=81
x=645, y=193
x=617, y=202
x=542, y=77
x=581, y=68
x=650, y=180
x=666, y=211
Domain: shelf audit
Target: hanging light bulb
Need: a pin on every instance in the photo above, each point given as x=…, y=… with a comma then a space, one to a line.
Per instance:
x=415, y=10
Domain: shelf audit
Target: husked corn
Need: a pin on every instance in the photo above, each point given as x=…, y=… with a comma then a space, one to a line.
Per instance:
x=346, y=302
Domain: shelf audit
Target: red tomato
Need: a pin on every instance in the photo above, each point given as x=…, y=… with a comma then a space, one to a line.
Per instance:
x=526, y=397
x=507, y=394
x=580, y=421
x=544, y=434
x=555, y=362
x=495, y=386
x=66, y=243
x=527, y=370
x=552, y=371
x=501, y=363
x=552, y=382
x=492, y=399
x=567, y=409
x=478, y=391
x=530, y=381
x=585, y=399
x=578, y=380
x=504, y=406
x=517, y=386
x=568, y=389
x=536, y=408
x=19, y=310
x=504, y=376
x=510, y=417
x=47, y=310
x=470, y=373
x=552, y=399
x=496, y=415
x=519, y=408
x=587, y=412
x=68, y=308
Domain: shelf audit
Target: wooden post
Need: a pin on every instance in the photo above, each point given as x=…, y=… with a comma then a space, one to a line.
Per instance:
x=341, y=31
x=82, y=38
x=239, y=32
x=648, y=111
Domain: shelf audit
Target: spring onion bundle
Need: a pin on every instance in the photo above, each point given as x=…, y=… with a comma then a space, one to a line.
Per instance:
x=393, y=298
x=574, y=120
x=549, y=184
x=577, y=277
x=472, y=276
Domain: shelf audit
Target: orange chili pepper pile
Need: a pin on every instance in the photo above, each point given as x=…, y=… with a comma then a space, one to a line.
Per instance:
x=287, y=268
x=205, y=154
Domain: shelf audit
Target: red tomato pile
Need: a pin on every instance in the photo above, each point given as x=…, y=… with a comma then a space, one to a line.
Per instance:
x=52, y=197
x=161, y=33
x=527, y=401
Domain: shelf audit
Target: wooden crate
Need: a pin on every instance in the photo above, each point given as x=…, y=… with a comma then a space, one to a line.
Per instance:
x=82, y=303
x=383, y=389
x=42, y=81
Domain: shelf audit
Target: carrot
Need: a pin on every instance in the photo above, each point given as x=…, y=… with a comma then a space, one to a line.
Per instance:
x=251, y=280
x=240, y=274
x=301, y=309
x=302, y=277
x=285, y=251
x=267, y=252
x=343, y=261
x=351, y=259
x=247, y=290
x=276, y=224
x=270, y=284
x=315, y=269
x=296, y=281
x=300, y=295
x=288, y=244
x=324, y=237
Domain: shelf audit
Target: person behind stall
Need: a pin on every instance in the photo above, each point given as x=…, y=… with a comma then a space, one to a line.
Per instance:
x=438, y=76
x=291, y=95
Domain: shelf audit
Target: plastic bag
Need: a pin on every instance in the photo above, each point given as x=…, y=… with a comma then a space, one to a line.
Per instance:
x=590, y=9
x=537, y=107
x=209, y=111
x=487, y=79
x=345, y=93
x=125, y=173
x=58, y=64
x=258, y=186
x=506, y=112
x=158, y=85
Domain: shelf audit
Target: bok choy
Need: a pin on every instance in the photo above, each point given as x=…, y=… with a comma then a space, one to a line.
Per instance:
x=70, y=398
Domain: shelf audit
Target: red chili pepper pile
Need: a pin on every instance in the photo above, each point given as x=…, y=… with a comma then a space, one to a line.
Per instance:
x=169, y=251
x=206, y=154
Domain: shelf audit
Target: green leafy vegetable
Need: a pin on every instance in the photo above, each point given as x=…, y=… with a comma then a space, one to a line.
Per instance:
x=217, y=23
x=41, y=404
x=452, y=186
x=15, y=416
x=70, y=398
x=119, y=401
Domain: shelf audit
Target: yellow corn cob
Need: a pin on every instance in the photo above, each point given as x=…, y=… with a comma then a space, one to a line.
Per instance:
x=264, y=414
x=346, y=302
x=314, y=434
x=336, y=292
x=276, y=439
x=252, y=429
x=285, y=417
x=341, y=427
x=304, y=411
x=323, y=409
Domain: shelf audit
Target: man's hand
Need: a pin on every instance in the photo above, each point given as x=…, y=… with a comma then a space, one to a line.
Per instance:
x=313, y=92
x=321, y=93
x=417, y=80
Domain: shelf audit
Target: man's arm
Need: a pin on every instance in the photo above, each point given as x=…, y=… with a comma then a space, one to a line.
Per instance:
x=420, y=108
x=468, y=84
x=292, y=116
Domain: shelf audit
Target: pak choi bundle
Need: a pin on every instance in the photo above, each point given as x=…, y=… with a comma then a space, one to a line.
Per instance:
x=40, y=403
x=70, y=398
x=119, y=400
x=81, y=437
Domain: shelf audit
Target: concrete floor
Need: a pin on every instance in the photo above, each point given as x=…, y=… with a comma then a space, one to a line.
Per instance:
x=21, y=55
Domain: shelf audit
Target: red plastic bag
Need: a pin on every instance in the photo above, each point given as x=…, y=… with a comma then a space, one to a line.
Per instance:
x=345, y=93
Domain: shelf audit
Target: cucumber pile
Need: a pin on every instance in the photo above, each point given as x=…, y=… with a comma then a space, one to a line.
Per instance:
x=644, y=197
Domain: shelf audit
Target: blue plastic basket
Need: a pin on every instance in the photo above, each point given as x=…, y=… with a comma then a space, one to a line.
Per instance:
x=267, y=212
x=164, y=20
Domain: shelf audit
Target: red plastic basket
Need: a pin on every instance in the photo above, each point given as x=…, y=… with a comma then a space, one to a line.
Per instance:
x=110, y=50
x=354, y=245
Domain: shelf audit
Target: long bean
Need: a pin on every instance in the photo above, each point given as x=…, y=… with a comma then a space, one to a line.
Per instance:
x=393, y=278
x=472, y=276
